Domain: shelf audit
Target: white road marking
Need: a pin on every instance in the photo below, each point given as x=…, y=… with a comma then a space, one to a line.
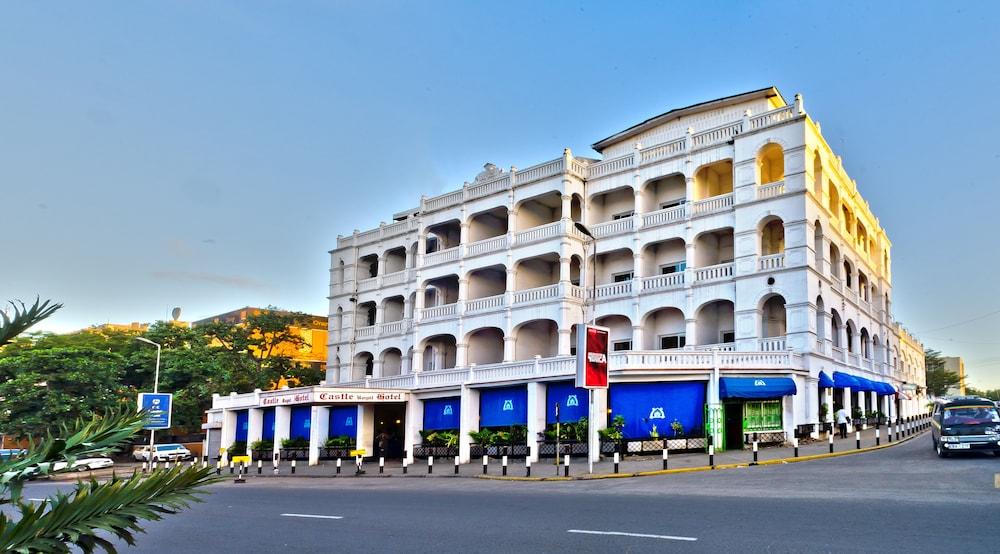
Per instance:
x=624, y=534
x=313, y=516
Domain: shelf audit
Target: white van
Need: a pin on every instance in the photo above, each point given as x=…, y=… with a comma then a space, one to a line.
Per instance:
x=162, y=453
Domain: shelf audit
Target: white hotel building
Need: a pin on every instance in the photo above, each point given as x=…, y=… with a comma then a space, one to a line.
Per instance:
x=729, y=243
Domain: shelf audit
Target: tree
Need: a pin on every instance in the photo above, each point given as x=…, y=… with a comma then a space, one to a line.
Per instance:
x=993, y=394
x=93, y=510
x=939, y=379
x=43, y=390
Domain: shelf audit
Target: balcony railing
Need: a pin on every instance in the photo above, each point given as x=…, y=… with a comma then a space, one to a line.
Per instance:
x=612, y=290
x=711, y=205
x=485, y=246
x=484, y=304
x=771, y=261
x=772, y=344
x=770, y=190
x=439, y=311
x=714, y=272
x=441, y=256
x=536, y=294
x=665, y=361
x=370, y=283
x=395, y=327
x=616, y=227
x=664, y=216
x=395, y=278
x=541, y=232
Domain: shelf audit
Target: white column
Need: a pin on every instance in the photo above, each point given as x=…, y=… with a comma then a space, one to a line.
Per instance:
x=366, y=429
x=875, y=405
x=228, y=431
x=789, y=407
x=469, y=422
x=861, y=403
x=282, y=425
x=848, y=405
x=414, y=422
x=255, y=428
x=319, y=431
x=536, y=415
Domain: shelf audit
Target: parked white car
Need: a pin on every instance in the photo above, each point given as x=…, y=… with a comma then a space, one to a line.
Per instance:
x=162, y=453
x=85, y=464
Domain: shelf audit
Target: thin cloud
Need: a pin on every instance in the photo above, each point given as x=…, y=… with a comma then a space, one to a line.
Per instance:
x=215, y=279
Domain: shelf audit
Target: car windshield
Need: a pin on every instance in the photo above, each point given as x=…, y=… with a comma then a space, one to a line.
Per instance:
x=970, y=415
x=168, y=447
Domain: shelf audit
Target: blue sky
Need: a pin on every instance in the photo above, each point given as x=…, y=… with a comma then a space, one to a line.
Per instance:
x=206, y=155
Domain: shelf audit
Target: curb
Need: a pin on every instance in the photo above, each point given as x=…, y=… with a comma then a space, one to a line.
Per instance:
x=697, y=469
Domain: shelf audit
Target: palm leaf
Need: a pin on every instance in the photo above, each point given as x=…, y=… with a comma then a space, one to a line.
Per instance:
x=96, y=510
x=23, y=318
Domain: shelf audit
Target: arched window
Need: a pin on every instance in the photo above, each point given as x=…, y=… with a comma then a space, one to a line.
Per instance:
x=817, y=175
x=772, y=237
x=770, y=164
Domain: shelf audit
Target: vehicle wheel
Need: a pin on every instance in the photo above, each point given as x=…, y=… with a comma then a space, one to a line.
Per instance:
x=941, y=452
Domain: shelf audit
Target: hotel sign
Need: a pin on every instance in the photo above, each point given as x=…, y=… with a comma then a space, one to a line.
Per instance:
x=318, y=395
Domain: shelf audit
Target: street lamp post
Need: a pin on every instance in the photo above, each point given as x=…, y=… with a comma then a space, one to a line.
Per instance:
x=590, y=300
x=156, y=389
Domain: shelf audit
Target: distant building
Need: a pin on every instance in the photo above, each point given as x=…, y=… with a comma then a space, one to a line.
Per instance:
x=956, y=364
x=314, y=333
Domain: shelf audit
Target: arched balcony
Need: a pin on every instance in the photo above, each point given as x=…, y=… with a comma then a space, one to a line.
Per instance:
x=664, y=329
x=620, y=334
x=663, y=264
x=713, y=180
x=486, y=288
x=440, y=352
x=773, y=323
x=392, y=362
x=770, y=164
x=713, y=255
x=363, y=366
x=772, y=244
x=486, y=346
x=538, y=337
x=715, y=325
x=539, y=210
x=614, y=271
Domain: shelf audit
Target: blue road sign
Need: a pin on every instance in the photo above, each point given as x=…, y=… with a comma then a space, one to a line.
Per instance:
x=158, y=406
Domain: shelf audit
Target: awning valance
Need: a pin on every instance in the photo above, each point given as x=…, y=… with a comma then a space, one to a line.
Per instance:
x=845, y=381
x=824, y=380
x=756, y=387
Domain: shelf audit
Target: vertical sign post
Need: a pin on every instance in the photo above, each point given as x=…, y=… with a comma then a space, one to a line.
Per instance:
x=592, y=373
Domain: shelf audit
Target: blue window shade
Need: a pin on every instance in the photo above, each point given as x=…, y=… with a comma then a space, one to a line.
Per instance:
x=267, y=433
x=572, y=402
x=864, y=385
x=503, y=407
x=646, y=404
x=300, y=422
x=242, y=425
x=756, y=387
x=442, y=413
x=824, y=381
x=344, y=421
x=845, y=381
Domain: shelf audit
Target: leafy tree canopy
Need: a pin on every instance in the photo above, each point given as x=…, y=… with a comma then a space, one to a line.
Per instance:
x=939, y=379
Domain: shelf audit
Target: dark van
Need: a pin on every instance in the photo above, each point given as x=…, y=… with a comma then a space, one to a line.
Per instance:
x=964, y=424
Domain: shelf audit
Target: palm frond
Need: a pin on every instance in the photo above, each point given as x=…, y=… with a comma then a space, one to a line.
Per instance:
x=114, y=508
x=24, y=317
x=94, y=438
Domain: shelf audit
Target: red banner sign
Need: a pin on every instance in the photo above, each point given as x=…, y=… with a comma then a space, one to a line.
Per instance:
x=592, y=356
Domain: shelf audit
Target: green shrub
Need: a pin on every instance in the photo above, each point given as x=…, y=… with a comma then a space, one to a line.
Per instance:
x=295, y=442
x=238, y=448
x=341, y=441
x=614, y=430
x=440, y=437
x=262, y=445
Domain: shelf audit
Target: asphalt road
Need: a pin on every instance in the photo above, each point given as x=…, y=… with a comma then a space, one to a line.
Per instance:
x=899, y=499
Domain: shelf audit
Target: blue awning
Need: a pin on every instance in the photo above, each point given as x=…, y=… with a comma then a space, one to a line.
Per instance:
x=889, y=388
x=865, y=385
x=885, y=388
x=824, y=380
x=845, y=381
x=756, y=387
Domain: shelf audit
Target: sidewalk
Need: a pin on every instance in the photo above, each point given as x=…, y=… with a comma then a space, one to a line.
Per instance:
x=546, y=468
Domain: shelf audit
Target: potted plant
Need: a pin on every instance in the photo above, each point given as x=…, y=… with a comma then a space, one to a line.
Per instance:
x=295, y=447
x=857, y=415
x=677, y=427
x=238, y=448
x=262, y=449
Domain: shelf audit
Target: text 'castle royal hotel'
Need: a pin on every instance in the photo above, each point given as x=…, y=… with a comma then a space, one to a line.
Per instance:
x=745, y=282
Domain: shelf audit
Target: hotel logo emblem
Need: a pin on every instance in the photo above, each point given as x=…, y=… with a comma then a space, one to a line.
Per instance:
x=508, y=405
x=447, y=410
x=657, y=413
x=349, y=422
x=571, y=400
